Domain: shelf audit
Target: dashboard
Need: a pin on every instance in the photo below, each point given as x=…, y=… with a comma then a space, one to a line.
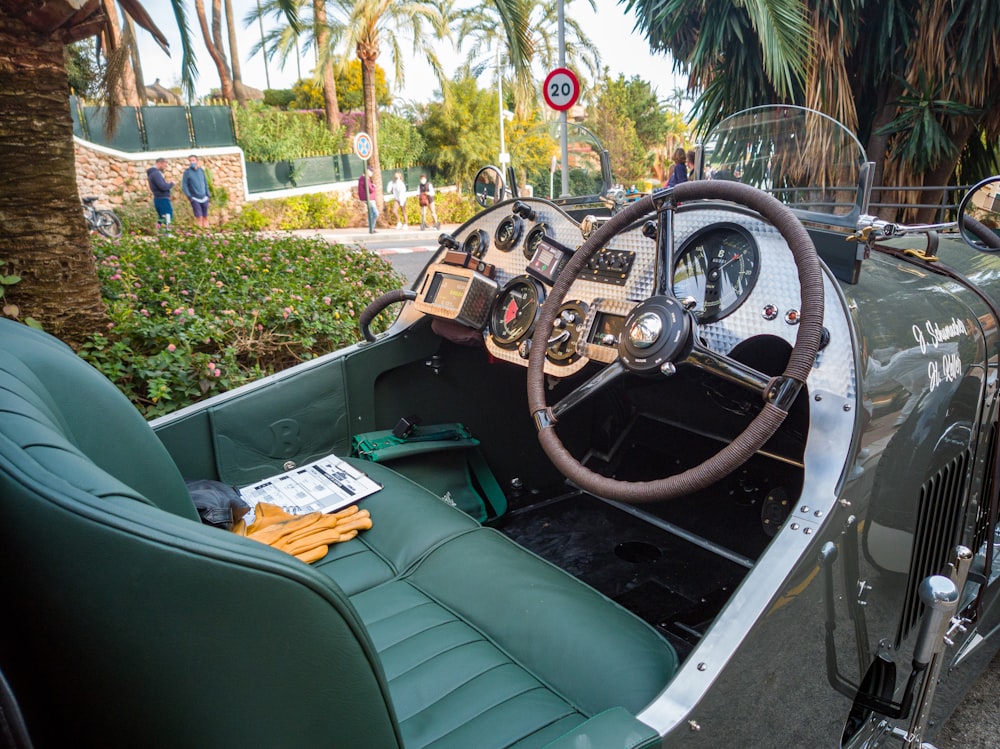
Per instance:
x=733, y=269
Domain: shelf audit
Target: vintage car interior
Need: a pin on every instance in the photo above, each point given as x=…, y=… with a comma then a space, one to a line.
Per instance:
x=684, y=401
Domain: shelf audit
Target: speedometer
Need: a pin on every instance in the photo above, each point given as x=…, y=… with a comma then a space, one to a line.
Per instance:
x=718, y=268
x=515, y=310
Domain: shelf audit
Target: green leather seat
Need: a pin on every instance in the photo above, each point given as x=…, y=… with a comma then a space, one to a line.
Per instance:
x=136, y=625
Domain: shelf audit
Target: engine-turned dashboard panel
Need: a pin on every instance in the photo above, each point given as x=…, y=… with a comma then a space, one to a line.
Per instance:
x=733, y=271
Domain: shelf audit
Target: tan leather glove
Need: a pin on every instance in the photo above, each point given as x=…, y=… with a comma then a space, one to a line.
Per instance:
x=307, y=537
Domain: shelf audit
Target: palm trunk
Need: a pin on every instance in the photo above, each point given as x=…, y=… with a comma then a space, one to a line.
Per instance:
x=239, y=90
x=43, y=238
x=330, y=104
x=140, y=82
x=124, y=90
x=371, y=121
x=218, y=55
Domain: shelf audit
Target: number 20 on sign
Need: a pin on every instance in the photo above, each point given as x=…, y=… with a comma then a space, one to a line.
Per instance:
x=561, y=89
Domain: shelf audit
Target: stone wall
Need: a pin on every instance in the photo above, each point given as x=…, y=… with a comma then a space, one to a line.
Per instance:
x=117, y=178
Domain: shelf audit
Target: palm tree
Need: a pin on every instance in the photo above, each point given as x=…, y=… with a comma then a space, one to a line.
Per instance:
x=526, y=30
x=919, y=80
x=43, y=238
x=371, y=23
x=283, y=40
x=213, y=43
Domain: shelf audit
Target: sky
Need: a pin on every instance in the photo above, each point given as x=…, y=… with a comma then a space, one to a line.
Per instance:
x=622, y=51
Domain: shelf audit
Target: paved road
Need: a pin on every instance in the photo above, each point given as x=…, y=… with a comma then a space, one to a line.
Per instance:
x=976, y=722
x=408, y=250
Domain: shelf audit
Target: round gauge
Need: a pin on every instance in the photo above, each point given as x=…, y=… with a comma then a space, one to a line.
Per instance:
x=534, y=238
x=515, y=310
x=476, y=243
x=509, y=232
x=718, y=268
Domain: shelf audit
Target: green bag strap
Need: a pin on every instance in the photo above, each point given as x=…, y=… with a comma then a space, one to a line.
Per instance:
x=483, y=476
x=374, y=441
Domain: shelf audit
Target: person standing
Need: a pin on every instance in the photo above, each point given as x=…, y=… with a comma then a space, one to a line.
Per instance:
x=691, y=165
x=195, y=186
x=425, y=196
x=678, y=172
x=397, y=188
x=160, y=188
x=366, y=194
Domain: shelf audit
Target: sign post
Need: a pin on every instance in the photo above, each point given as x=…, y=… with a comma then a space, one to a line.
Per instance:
x=561, y=90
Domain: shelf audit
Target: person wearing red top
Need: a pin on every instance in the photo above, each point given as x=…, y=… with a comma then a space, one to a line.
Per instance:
x=366, y=194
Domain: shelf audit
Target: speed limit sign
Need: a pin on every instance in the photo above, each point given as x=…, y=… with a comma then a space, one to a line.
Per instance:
x=562, y=89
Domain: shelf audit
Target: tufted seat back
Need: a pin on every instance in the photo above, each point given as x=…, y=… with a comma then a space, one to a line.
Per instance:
x=135, y=625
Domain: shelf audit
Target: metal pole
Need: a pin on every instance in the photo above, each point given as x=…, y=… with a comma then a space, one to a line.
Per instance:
x=563, y=146
x=503, y=150
x=263, y=49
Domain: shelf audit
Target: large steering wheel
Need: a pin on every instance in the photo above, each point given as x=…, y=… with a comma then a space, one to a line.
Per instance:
x=660, y=334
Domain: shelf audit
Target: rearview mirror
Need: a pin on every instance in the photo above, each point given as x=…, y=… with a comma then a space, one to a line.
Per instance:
x=979, y=216
x=488, y=186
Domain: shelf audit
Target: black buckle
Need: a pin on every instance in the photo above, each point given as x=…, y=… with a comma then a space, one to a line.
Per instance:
x=405, y=427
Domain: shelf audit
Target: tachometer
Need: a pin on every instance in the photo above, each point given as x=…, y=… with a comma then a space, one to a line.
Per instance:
x=718, y=267
x=515, y=310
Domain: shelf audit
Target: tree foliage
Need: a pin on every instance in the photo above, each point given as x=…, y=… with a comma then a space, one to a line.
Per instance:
x=918, y=80
x=402, y=144
x=633, y=125
x=267, y=134
x=350, y=91
x=461, y=131
x=84, y=69
x=307, y=94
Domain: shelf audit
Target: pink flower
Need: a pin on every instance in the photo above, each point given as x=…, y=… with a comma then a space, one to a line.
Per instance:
x=171, y=348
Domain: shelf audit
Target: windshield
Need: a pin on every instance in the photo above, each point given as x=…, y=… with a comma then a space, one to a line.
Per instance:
x=804, y=158
x=536, y=158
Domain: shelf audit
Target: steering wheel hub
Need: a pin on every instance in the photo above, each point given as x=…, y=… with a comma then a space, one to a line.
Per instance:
x=657, y=331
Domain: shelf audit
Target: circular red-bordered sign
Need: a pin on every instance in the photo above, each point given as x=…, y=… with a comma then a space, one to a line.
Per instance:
x=363, y=146
x=561, y=89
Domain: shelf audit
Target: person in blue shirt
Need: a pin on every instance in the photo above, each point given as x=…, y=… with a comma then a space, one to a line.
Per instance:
x=160, y=188
x=679, y=172
x=195, y=186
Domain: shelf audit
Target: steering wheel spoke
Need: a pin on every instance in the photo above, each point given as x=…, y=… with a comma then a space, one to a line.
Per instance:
x=600, y=380
x=729, y=369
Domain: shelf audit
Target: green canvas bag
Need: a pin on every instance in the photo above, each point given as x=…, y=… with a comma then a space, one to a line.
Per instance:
x=444, y=458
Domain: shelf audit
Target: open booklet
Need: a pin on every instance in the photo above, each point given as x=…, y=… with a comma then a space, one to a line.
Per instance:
x=325, y=485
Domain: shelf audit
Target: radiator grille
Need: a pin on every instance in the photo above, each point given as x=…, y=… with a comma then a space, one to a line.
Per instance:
x=937, y=533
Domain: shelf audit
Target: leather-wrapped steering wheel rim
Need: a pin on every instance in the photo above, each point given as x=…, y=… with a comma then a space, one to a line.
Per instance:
x=774, y=410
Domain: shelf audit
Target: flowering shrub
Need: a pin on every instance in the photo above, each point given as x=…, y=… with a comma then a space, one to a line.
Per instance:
x=193, y=315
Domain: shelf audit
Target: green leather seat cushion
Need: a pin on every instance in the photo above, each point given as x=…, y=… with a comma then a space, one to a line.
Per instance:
x=407, y=521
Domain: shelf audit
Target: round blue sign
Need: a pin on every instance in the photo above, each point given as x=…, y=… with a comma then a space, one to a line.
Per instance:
x=363, y=146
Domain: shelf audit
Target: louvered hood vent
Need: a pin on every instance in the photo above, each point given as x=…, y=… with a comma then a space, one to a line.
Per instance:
x=937, y=532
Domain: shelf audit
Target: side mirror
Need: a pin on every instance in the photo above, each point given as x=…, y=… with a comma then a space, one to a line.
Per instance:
x=979, y=216
x=488, y=186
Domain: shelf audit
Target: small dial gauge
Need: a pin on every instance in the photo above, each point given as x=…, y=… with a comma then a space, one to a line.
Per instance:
x=476, y=243
x=533, y=239
x=566, y=333
x=508, y=233
x=718, y=268
x=515, y=311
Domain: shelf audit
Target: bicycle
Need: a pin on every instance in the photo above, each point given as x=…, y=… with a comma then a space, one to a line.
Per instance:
x=102, y=220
